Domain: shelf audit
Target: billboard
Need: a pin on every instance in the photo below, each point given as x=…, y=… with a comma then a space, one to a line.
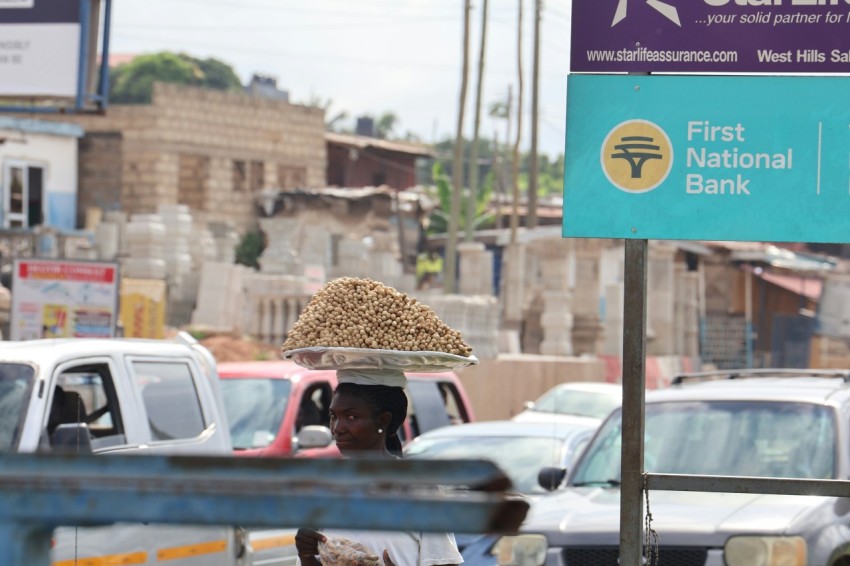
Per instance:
x=39, y=47
x=717, y=36
x=707, y=158
x=63, y=298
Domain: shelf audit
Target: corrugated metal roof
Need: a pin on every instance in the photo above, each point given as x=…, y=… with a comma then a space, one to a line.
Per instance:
x=805, y=286
x=363, y=142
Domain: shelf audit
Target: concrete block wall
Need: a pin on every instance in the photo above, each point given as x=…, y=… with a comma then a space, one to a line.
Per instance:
x=219, y=127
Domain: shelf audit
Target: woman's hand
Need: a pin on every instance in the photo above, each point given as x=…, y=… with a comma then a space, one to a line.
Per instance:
x=387, y=560
x=307, y=544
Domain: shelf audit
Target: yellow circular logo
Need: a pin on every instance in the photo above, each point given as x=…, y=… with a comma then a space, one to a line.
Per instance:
x=636, y=156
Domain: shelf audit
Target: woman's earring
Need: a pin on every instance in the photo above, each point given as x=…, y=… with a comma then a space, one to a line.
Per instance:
x=380, y=430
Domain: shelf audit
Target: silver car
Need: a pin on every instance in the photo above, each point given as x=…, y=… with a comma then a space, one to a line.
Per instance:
x=761, y=423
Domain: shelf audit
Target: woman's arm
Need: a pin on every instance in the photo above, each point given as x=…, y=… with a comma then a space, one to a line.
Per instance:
x=307, y=544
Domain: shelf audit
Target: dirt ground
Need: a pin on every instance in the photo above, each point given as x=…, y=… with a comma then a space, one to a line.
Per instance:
x=228, y=348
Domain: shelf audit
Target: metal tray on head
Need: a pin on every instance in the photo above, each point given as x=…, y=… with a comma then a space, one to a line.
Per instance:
x=323, y=357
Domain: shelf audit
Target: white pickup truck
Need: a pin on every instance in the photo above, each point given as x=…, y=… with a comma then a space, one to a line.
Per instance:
x=127, y=396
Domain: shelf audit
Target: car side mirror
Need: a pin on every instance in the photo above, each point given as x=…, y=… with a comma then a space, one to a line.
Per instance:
x=550, y=478
x=528, y=404
x=71, y=438
x=314, y=436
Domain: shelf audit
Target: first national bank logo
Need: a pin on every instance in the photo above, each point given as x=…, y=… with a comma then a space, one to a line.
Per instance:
x=636, y=156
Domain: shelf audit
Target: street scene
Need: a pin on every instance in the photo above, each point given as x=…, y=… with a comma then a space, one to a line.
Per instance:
x=506, y=282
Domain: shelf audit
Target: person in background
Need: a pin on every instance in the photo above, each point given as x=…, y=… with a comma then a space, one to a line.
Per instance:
x=365, y=415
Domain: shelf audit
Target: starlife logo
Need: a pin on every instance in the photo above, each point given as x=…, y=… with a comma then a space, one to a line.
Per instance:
x=636, y=156
x=666, y=10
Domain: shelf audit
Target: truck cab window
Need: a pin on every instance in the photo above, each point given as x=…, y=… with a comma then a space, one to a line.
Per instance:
x=86, y=395
x=170, y=398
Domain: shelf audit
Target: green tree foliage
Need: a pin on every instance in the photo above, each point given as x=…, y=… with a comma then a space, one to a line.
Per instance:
x=439, y=220
x=550, y=172
x=132, y=83
x=250, y=249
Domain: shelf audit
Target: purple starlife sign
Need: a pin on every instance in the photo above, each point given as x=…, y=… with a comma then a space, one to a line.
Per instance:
x=770, y=36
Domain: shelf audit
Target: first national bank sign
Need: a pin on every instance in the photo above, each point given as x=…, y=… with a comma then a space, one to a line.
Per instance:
x=707, y=158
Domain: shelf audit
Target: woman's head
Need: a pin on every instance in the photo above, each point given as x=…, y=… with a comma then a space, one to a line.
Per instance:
x=367, y=417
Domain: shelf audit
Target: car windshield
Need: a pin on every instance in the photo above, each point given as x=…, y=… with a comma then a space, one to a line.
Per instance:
x=16, y=382
x=574, y=402
x=255, y=409
x=740, y=438
x=519, y=457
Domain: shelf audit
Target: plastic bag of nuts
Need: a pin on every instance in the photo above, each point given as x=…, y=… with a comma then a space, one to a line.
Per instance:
x=345, y=552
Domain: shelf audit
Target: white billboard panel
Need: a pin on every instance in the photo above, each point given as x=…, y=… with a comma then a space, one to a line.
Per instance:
x=39, y=60
x=39, y=47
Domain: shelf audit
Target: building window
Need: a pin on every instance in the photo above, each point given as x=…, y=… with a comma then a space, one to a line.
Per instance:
x=23, y=195
x=239, y=176
x=257, y=175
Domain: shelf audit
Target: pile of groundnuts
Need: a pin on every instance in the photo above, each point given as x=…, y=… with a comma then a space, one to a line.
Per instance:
x=351, y=312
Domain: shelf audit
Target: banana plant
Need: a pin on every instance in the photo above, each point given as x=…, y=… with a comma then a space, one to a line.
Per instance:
x=442, y=191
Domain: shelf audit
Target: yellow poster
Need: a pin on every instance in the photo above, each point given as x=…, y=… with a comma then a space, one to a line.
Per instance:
x=54, y=321
x=143, y=308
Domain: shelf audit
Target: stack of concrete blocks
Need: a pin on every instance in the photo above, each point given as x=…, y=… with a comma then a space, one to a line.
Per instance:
x=281, y=252
x=145, y=238
x=475, y=317
x=476, y=269
x=219, y=305
x=482, y=326
x=107, y=239
x=113, y=223
x=660, y=299
x=271, y=305
x=513, y=283
x=352, y=259
x=384, y=263
x=611, y=272
x=555, y=257
x=587, y=326
x=686, y=313
x=315, y=247
x=178, y=233
x=226, y=240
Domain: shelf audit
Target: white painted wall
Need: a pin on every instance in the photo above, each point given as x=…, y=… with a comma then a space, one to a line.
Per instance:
x=56, y=154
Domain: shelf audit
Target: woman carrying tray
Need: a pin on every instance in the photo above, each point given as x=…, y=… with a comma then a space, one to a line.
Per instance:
x=365, y=415
x=371, y=334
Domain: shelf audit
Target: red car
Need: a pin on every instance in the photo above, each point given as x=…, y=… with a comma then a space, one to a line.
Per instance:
x=269, y=403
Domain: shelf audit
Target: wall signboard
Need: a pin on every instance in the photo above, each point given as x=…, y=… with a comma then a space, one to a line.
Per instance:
x=39, y=47
x=771, y=36
x=63, y=298
x=708, y=158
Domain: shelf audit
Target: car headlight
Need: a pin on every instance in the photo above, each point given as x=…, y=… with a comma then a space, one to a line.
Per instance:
x=765, y=551
x=520, y=550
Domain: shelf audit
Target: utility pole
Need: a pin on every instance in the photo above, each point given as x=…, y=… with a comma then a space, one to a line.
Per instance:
x=472, y=201
x=515, y=162
x=450, y=271
x=531, y=218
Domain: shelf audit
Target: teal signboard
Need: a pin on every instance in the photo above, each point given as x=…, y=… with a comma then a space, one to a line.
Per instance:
x=708, y=158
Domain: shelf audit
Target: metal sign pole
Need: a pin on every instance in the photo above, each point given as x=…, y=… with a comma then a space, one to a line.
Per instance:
x=634, y=387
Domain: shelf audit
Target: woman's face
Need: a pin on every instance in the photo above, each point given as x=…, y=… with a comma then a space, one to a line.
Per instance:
x=354, y=424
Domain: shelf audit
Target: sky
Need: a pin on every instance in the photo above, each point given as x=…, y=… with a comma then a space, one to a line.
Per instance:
x=369, y=57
